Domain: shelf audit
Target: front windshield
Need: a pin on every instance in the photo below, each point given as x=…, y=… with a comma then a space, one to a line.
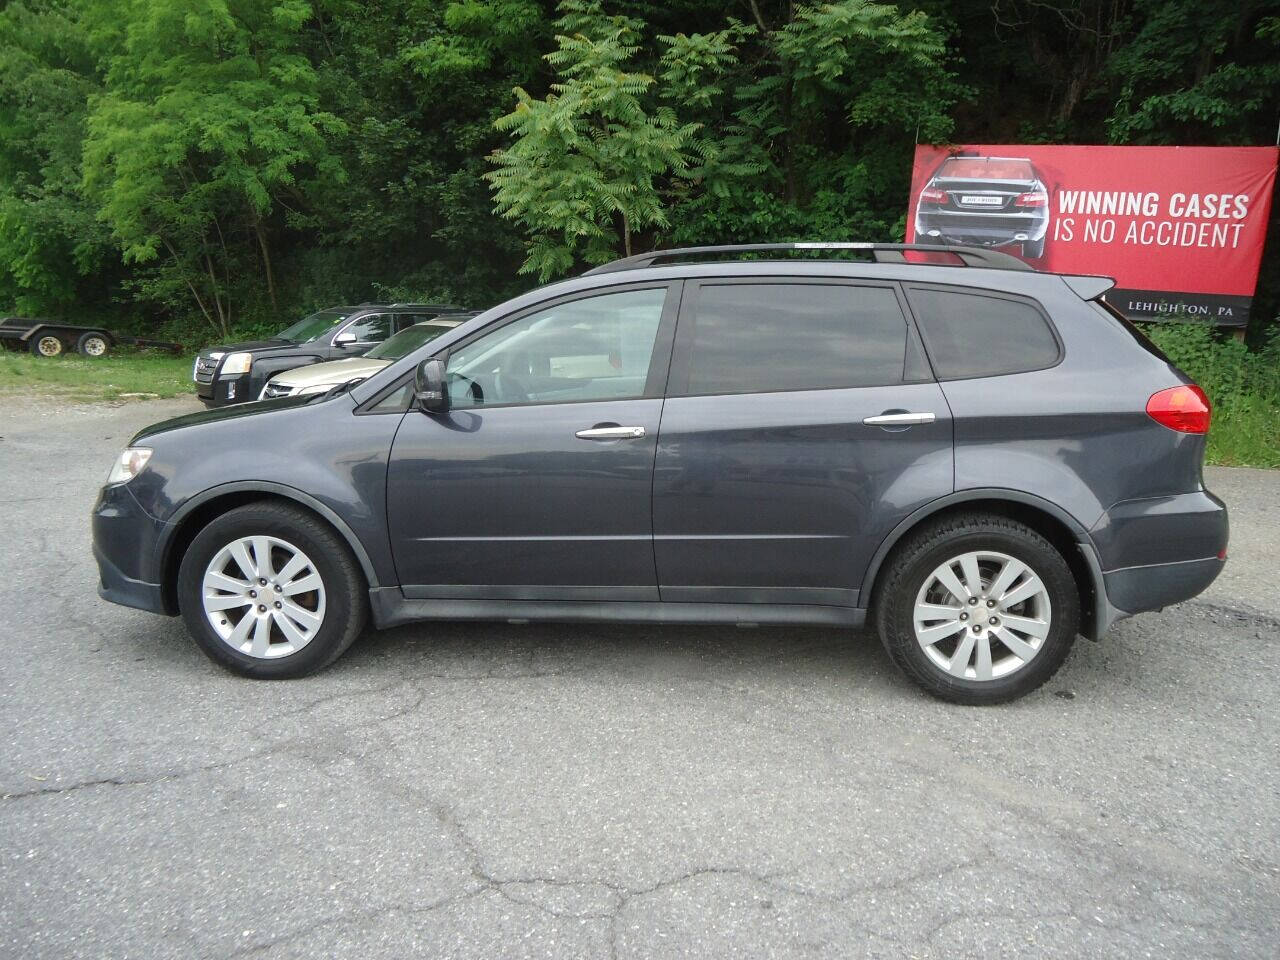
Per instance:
x=409, y=340
x=308, y=328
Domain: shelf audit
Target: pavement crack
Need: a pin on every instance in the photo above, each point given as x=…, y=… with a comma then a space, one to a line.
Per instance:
x=124, y=781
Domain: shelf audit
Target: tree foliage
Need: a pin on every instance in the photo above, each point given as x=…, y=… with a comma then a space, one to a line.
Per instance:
x=215, y=167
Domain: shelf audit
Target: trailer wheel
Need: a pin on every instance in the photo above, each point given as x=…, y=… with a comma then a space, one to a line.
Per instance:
x=47, y=345
x=93, y=345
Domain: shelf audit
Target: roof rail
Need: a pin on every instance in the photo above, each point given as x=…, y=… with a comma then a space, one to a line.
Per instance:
x=881, y=252
x=428, y=306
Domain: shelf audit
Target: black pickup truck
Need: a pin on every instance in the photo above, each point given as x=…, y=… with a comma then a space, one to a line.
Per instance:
x=237, y=372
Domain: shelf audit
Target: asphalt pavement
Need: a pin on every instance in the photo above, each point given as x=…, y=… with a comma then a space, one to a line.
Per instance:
x=490, y=791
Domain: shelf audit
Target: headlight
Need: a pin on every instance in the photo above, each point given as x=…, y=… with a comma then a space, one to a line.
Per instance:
x=129, y=464
x=237, y=363
x=316, y=388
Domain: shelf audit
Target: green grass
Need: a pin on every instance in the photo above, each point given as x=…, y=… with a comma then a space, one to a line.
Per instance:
x=91, y=379
x=1245, y=435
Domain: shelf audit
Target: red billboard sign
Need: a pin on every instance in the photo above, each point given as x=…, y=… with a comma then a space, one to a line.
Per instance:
x=1181, y=229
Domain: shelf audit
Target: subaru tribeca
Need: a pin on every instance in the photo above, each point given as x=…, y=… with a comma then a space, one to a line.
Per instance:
x=980, y=459
x=992, y=201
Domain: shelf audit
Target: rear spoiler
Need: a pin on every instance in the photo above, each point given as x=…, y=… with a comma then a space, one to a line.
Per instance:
x=1089, y=287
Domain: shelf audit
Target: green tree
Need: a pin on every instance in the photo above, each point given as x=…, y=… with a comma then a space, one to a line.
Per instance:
x=51, y=246
x=589, y=162
x=209, y=124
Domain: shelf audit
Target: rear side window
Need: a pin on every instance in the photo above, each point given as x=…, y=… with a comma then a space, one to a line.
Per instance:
x=769, y=337
x=971, y=335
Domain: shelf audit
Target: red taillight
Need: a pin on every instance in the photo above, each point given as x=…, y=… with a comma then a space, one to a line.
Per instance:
x=1185, y=409
x=1031, y=200
x=930, y=195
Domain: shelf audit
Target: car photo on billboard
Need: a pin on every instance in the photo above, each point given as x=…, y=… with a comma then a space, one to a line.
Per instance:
x=985, y=201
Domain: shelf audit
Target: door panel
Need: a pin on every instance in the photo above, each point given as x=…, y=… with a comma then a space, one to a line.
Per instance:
x=769, y=487
x=538, y=483
x=509, y=503
x=784, y=497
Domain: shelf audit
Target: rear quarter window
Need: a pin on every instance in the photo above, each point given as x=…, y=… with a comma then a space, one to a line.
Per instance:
x=976, y=335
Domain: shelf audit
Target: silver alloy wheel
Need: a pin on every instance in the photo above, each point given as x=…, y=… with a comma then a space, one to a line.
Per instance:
x=95, y=346
x=982, y=615
x=49, y=346
x=263, y=596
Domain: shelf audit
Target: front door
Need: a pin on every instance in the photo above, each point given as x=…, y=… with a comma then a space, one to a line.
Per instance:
x=537, y=483
x=801, y=425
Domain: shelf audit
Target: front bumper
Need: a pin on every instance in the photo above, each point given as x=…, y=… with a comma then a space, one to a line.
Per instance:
x=226, y=390
x=124, y=546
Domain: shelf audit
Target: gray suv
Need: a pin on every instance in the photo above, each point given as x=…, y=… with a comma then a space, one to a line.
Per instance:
x=981, y=459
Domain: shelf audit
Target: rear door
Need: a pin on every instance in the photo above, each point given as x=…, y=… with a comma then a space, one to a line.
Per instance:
x=801, y=424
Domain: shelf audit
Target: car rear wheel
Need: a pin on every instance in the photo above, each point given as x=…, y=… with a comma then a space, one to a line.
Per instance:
x=978, y=609
x=270, y=592
x=1033, y=249
x=92, y=345
x=47, y=345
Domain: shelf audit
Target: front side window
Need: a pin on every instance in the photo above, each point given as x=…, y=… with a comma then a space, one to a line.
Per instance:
x=596, y=348
x=371, y=329
x=770, y=337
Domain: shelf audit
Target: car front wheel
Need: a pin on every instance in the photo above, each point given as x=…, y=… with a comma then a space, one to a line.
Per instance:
x=978, y=609
x=270, y=592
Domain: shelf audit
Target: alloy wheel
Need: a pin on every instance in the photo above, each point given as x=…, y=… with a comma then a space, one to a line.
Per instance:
x=263, y=596
x=982, y=615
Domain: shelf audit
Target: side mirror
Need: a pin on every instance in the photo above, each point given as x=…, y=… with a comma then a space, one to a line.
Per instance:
x=344, y=339
x=430, y=392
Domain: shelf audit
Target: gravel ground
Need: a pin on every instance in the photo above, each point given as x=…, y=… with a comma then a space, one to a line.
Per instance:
x=492, y=791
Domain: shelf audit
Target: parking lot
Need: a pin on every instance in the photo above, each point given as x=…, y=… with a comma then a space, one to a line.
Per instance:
x=492, y=790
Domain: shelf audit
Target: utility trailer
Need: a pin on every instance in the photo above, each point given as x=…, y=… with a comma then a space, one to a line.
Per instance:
x=48, y=338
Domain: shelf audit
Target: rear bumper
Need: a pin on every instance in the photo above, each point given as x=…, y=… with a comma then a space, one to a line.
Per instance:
x=1160, y=585
x=977, y=228
x=1158, y=551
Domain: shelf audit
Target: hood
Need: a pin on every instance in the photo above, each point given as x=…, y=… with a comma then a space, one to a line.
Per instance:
x=334, y=371
x=219, y=413
x=248, y=346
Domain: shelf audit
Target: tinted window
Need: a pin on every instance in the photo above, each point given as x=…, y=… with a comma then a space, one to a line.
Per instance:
x=763, y=337
x=409, y=340
x=969, y=335
x=308, y=328
x=371, y=329
x=597, y=348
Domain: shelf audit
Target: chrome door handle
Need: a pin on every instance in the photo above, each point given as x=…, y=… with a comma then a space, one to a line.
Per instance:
x=898, y=419
x=611, y=433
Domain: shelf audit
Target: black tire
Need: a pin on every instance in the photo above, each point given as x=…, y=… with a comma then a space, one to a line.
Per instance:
x=93, y=344
x=1033, y=249
x=346, y=599
x=912, y=564
x=46, y=345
